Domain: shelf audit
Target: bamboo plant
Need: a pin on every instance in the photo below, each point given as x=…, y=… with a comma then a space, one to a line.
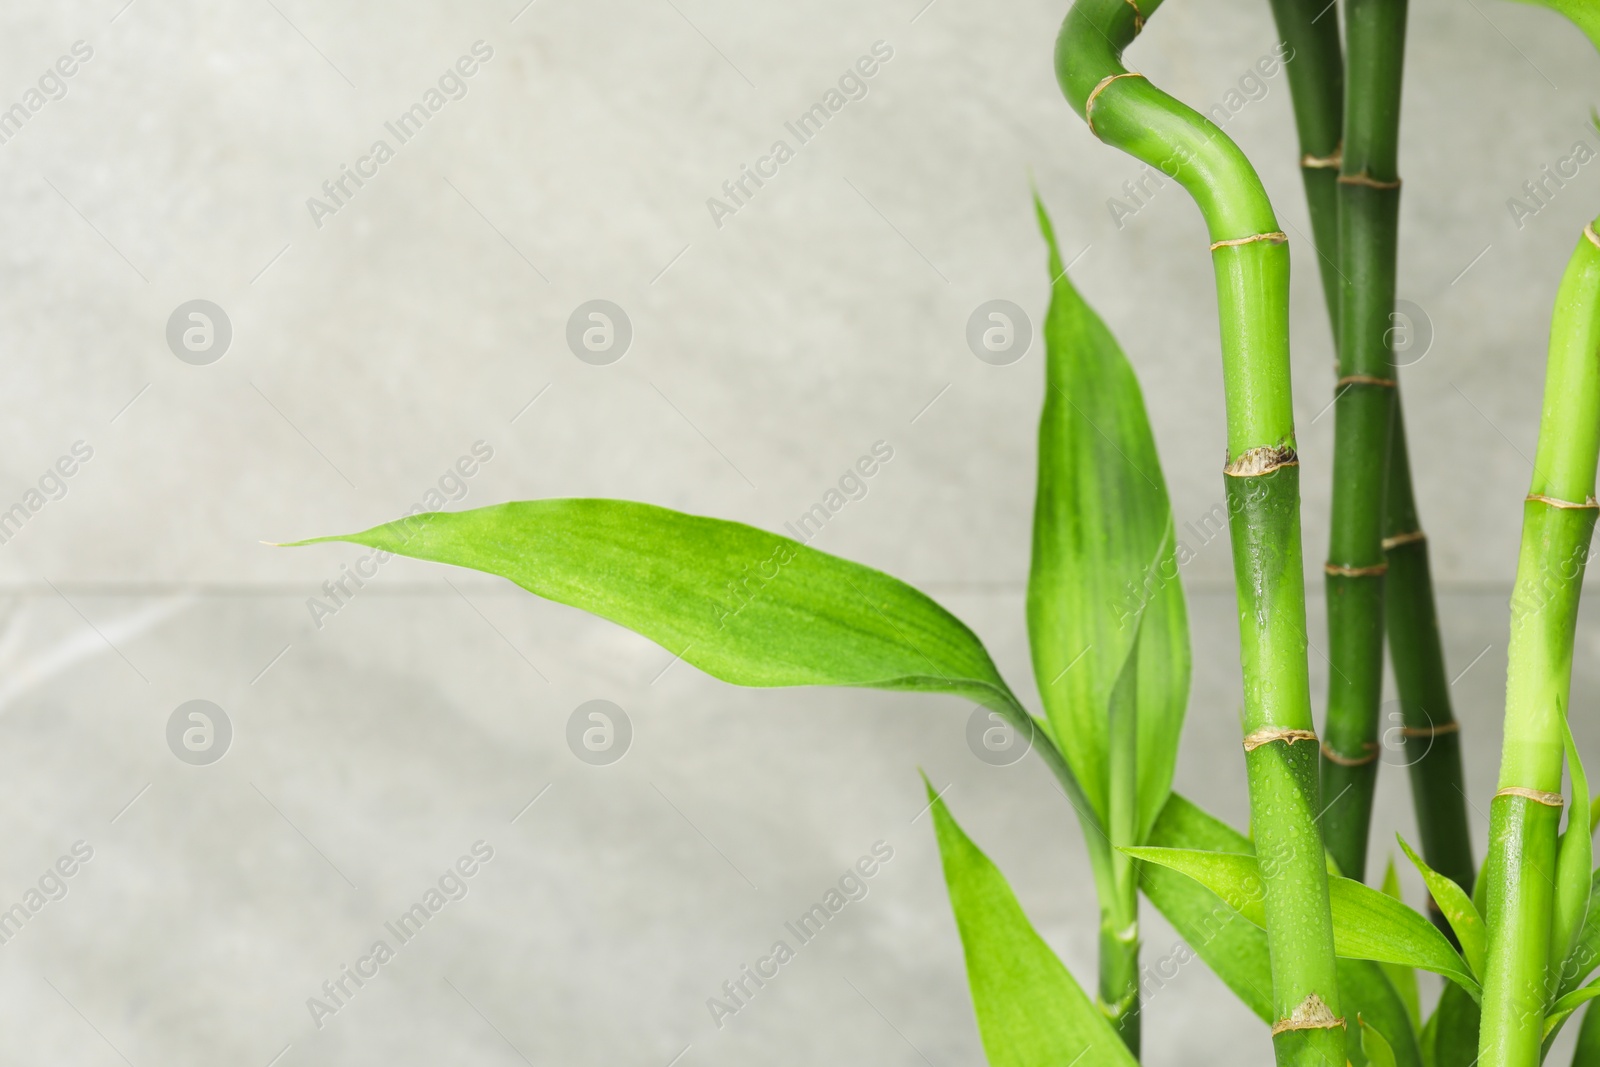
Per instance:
x=1280, y=913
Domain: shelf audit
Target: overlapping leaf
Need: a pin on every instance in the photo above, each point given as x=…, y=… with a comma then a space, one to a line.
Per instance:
x=1104, y=580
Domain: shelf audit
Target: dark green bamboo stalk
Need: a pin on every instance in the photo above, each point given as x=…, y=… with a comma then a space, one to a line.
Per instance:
x=1251, y=260
x=1363, y=409
x=1315, y=67
x=1431, y=735
x=1429, y=728
x=1557, y=527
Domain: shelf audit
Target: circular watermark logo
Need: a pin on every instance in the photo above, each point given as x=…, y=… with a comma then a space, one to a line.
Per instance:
x=999, y=333
x=599, y=332
x=199, y=732
x=1410, y=333
x=199, y=332
x=994, y=740
x=1400, y=745
x=599, y=732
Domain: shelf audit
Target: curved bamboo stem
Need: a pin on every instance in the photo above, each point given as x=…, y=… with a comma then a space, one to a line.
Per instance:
x=1251, y=261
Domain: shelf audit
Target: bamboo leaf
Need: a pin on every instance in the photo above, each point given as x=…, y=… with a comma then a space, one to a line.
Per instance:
x=1565, y=1006
x=1366, y=924
x=1585, y=14
x=1103, y=586
x=1374, y=1047
x=1450, y=1038
x=746, y=606
x=1030, y=1010
x=1236, y=949
x=1580, y=962
x=1458, y=910
x=1574, y=859
x=1587, y=1051
x=1404, y=979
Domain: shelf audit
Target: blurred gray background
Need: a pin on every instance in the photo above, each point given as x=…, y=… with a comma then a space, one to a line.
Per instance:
x=374, y=345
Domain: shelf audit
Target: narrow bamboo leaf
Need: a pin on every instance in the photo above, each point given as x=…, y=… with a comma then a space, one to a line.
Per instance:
x=1450, y=1038
x=1574, y=859
x=1103, y=586
x=1404, y=979
x=1236, y=949
x=1458, y=910
x=1366, y=924
x=1030, y=1010
x=1585, y=14
x=1374, y=1046
x=1581, y=961
x=1565, y=1006
x=1587, y=1051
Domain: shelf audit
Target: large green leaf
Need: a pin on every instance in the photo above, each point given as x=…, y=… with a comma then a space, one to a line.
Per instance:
x=744, y=605
x=1031, y=1012
x=1104, y=580
x=1584, y=13
x=1367, y=924
x=1236, y=949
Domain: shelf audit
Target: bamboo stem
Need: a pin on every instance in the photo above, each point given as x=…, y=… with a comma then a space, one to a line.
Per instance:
x=1557, y=528
x=1119, y=911
x=1369, y=202
x=1431, y=736
x=1251, y=262
x=1430, y=732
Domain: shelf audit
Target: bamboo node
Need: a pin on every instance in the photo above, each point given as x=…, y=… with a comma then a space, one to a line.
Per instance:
x=1558, y=503
x=1364, y=379
x=1351, y=761
x=1339, y=570
x=1588, y=231
x=1538, y=796
x=1263, y=460
x=1276, y=237
x=1268, y=734
x=1310, y=1014
x=1088, y=105
x=1403, y=539
x=1365, y=178
x=1138, y=16
x=1312, y=162
x=1430, y=731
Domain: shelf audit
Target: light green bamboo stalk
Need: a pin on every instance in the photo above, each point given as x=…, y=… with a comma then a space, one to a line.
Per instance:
x=1558, y=525
x=1251, y=261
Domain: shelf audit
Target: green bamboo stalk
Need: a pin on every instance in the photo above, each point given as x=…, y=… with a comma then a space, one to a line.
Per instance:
x=1315, y=66
x=1251, y=261
x=1557, y=527
x=1428, y=724
x=1363, y=410
x=1119, y=910
x=1430, y=733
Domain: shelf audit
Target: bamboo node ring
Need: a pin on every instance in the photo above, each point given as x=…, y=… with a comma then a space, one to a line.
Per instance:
x=1268, y=734
x=1263, y=460
x=1430, y=731
x=1351, y=761
x=1558, y=503
x=1339, y=570
x=1277, y=237
x=1088, y=105
x=1538, y=796
x=1403, y=539
x=1363, y=379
